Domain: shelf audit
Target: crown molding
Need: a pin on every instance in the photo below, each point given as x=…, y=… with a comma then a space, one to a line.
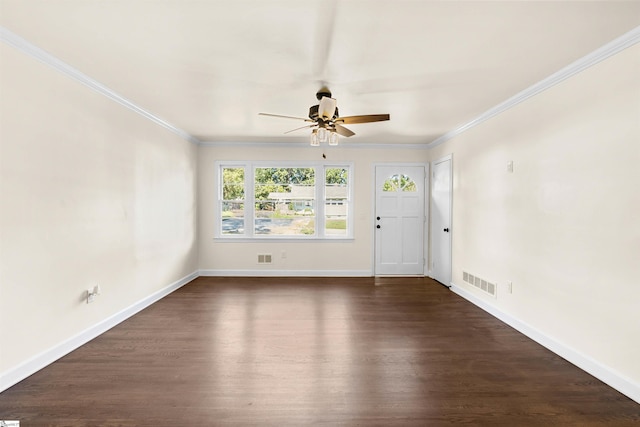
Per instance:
x=350, y=145
x=617, y=45
x=41, y=55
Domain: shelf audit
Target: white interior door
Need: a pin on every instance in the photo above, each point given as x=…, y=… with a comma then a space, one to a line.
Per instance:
x=400, y=219
x=441, y=192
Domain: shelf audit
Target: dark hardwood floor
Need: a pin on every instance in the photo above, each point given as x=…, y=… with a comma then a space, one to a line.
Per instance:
x=314, y=351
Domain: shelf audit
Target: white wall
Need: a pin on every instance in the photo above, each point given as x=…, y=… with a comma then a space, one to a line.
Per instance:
x=564, y=226
x=91, y=193
x=310, y=257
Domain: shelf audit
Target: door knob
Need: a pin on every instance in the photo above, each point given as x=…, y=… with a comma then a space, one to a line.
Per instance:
x=377, y=226
x=378, y=218
x=446, y=230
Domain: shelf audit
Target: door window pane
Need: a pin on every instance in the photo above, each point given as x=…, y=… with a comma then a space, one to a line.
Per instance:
x=399, y=182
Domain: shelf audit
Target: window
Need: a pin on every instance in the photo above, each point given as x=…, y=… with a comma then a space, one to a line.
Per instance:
x=284, y=201
x=232, y=200
x=336, y=201
x=301, y=201
x=399, y=182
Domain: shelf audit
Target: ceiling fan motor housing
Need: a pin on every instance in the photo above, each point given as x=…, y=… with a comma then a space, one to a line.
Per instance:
x=324, y=91
x=313, y=113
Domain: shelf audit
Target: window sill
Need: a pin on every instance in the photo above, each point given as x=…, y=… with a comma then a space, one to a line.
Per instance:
x=287, y=239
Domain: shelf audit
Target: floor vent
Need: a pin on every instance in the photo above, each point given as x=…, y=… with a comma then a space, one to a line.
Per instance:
x=264, y=258
x=482, y=284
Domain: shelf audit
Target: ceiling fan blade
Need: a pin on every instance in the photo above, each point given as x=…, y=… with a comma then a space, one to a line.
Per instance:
x=286, y=117
x=343, y=131
x=363, y=119
x=303, y=127
x=327, y=108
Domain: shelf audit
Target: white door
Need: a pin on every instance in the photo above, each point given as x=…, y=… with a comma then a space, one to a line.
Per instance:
x=399, y=220
x=441, y=190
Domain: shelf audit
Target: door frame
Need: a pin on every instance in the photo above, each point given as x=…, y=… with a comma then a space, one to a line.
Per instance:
x=427, y=192
x=452, y=229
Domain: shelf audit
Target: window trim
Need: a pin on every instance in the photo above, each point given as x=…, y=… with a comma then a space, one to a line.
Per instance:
x=249, y=201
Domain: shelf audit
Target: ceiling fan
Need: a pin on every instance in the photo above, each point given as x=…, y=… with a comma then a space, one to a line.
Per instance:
x=326, y=120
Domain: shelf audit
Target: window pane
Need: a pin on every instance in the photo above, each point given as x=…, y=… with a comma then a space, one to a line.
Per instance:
x=335, y=222
x=270, y=221
x=408, y=184
x=390, y=185
x=233, y=184
x=284, y=201
x=336, y=176
x=336, y=193
x=232, y=218
x=233, y=201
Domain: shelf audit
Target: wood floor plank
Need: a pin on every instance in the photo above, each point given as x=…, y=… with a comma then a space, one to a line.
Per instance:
x=314, y=351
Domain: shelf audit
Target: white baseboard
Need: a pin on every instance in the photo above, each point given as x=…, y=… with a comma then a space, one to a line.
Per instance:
x=286, y=273
x=31, y=366
x=604, y=373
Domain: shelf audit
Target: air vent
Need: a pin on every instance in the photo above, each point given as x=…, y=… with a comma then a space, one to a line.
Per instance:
x=482, y=284
x=264, y=258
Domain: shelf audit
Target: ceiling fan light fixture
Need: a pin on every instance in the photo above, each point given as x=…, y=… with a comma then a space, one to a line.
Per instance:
x=333, y=138
x=314, y=138
x=327, y=108
x=322, y=134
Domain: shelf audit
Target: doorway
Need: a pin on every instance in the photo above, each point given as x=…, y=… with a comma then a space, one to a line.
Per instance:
x=441, y=229
x=400, y=219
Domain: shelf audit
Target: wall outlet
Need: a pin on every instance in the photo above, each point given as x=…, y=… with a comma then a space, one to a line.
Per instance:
x=510, y=166
x=93, y=293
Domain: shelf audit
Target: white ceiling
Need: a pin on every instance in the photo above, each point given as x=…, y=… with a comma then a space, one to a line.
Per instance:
x=209, y=67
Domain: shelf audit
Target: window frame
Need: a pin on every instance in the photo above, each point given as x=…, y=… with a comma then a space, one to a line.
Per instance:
x=249, y=234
